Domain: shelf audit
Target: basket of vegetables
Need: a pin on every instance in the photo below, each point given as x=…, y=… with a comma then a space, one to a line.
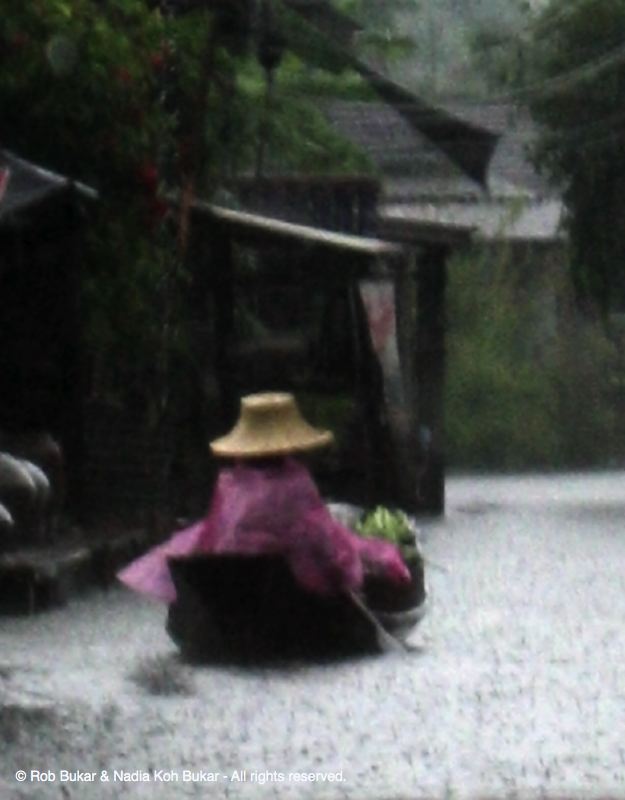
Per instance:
x=396, y=606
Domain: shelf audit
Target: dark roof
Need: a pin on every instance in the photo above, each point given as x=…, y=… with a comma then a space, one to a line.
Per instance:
x=498, y=220
x=421, y=186
x=511, y=161
x=28, y=185
x=413, y=168
x=469, y=146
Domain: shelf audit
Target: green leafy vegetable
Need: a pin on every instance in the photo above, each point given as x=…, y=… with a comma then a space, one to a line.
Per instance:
x=382, y=523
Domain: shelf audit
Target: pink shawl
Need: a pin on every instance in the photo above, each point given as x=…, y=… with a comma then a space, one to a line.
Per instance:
x=274, y=509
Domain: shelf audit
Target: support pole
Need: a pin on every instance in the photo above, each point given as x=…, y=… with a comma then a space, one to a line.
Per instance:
x=430, y=371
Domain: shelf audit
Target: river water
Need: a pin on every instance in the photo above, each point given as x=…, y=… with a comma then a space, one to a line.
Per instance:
x=516, y=686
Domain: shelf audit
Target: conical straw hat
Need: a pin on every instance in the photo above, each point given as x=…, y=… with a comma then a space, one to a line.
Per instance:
x=270, y=424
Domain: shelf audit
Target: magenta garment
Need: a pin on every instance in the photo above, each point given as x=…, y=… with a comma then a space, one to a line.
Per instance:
x=274, y=509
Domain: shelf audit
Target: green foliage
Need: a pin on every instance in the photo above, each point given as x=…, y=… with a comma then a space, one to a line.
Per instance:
x=462, y=48
x=498, y=402
x=80, y=87
x=382, y=523
x=584, y=372
x=391, y=526
x=79, y=82
x=499, y=57
x=295, y=77
x=296, y=134
x=577, y=58
x=306, y=41
x=518, y=395
x=496, y=42
x=316, y=148
x=133, y=103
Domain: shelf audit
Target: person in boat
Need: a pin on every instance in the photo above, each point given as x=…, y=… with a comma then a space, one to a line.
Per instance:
x=266, y=502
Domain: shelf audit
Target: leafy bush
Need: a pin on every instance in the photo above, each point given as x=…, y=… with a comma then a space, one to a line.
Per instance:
x=584, y=372
x=523, y=390
x=136, y=103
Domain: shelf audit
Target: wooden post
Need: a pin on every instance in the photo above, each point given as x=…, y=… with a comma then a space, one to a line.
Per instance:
x=435, y=242
x=222, y=271
x=73, y=417
x=407, y=447
x=430, y=372
x=370, y=397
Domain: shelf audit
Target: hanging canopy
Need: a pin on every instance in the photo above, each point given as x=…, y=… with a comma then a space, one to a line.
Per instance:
x=24, y=185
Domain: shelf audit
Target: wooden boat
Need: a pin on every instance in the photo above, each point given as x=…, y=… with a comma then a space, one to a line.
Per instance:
x=250, y=609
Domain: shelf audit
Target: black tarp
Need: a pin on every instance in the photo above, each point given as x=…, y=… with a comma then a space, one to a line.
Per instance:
x=28, y=185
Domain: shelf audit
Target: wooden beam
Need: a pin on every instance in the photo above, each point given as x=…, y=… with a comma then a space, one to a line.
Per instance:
x=255, y=228
x=405, y=229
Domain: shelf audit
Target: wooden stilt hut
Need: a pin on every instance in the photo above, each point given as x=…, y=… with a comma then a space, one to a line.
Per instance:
x=352, y=324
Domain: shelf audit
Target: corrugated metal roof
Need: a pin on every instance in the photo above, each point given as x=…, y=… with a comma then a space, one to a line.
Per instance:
x=419, y=183
x=414, y=168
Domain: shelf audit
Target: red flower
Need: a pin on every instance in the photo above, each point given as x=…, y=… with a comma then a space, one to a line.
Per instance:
x=19, y=40
x=147, y=175
x=157, y=211
x=157, y=60
x=123, y=76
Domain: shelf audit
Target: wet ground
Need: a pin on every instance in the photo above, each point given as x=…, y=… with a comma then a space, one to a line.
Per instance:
x=517, y=688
